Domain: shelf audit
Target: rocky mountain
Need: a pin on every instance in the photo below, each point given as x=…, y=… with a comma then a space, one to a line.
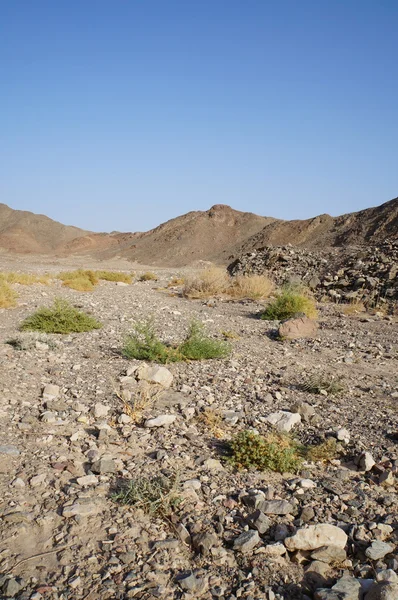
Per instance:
x=218, y=235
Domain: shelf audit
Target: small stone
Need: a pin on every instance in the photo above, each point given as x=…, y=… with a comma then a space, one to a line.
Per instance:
x=48, y=416
x=330, y=554
x=103, y=465
x=378, y=550
x=159, y=375
x=9, y=450
x=11, y=588
x=284, y=420
x=100, y=410
x=194, y=585
x=277, y=507
x=84, y=510
x=160, y=421
x=87, y=480
x=259, y=521
x=383, y=591
x=366, y=462
x=50, y=392
x=247, y=541
x=212, y=464
x=343, y=435
x=273, y=550
x=74, y=582
x=316, y=536
x=203, y=542
x=18, y=483
x=37, y=480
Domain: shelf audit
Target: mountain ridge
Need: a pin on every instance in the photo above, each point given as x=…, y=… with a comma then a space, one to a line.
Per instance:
x=216, y=235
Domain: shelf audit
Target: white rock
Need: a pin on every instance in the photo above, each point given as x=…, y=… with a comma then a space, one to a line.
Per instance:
x=284, y=420
x=18, y=483
x=307, y=484
x=379, y=550
x=273, y=550
x=343, y=435
x=37, y=480
x=159, y=375
x=366, y=461
x=122, y=284
x=100, y=410
x=160, y=421
x=50, y=392
x=87, y=480
x=316, y=536
x=83, y=510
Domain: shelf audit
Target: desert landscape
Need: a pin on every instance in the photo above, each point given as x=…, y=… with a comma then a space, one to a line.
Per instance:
x=205, y=410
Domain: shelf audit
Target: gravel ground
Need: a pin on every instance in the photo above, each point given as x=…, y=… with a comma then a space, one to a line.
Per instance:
x=65, y=537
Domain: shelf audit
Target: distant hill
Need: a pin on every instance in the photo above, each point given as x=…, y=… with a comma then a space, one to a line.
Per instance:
x=213, y=235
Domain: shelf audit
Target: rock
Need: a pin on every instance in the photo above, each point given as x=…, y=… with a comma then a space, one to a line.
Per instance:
x=378, y=550
x=103, y=465
x=160, y=421
x=275, y=550
x=212, y=464
x=87, y=480
x=316, y=536
x=343, y=435
x=50, y=392
x=387, y=575
x=305, y=410
x=297, y=328
x=366, y=462
x=194, y=585
x=383, y=591
x=203, y=542
x=100, y=410
x=37, y=480
x=259, y=521
x=330, y=554
x=246, y=541
x=49, y=417
x=9, y=450
x=277, y=507
x=349, y=588
x=81, y=509
x=159, y=375
x=284, y=420
x=11, y=588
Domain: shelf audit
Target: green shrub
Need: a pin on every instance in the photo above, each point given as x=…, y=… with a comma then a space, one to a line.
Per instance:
x=144, y=344
x=148, y=276
x=272, y=453
x=156, y=495
x=289, y=302
x=199, y=346
x=319, y=383
x=61, y=318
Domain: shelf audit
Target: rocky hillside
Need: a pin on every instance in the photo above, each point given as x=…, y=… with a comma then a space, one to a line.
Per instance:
x=213, y=235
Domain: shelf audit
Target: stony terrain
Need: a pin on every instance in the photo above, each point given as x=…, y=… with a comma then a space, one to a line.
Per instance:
x=329, y=532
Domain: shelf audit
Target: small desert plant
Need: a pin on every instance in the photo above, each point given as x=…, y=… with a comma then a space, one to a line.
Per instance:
x=23, y=278
x=148, y=276
x=326, y=451
x=144, y=344
x=274, y=452
x=250, y=286
x=206, y=283
x=61, y=318
x=137, y=402
x=289, y=302
x=354, y=308
x=114, y=276
x=321, y=383
x=80, y=280
x=212, y=420
x=199, y=346
x=8, y=296
x=230, y=335
x=156, y=495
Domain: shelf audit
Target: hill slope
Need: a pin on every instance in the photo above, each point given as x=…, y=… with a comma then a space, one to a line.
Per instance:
x=213, y=235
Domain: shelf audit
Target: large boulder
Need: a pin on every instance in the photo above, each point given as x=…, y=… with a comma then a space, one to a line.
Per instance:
x=316, y=536
x=296, y=328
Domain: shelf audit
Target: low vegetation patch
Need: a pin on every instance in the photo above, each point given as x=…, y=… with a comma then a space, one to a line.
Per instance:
x=289, y=302
x=212, y=420
x=324, y=452
x=114, y=276
x=275, y=452
x=80, y=280
x=155, y=495
x=148, y=276
x=322, y=383
x=62, y=318
x=199, y=346
x=8, y=297
x=176, y=282
x=144, y=344
x=23, y=278
x=207, y=283
x=253, y=287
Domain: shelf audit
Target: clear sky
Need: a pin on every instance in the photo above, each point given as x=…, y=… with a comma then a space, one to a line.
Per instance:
x=121, y=114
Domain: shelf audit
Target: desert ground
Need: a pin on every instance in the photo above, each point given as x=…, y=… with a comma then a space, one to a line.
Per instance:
x=78, y=419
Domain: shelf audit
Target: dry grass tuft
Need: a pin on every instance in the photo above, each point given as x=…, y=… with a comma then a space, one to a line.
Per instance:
x=80, y=280
x=114, y=276
x=206, y=283
x=212, y=420
x=354, y=308
x=136, y=403
x=324, y=452
x=23, y=278
x=251, y=286
x=8, y=297
x=176, y=282
x=155, y=496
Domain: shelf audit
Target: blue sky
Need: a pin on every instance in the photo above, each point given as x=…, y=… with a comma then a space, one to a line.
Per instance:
x=118, y=115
